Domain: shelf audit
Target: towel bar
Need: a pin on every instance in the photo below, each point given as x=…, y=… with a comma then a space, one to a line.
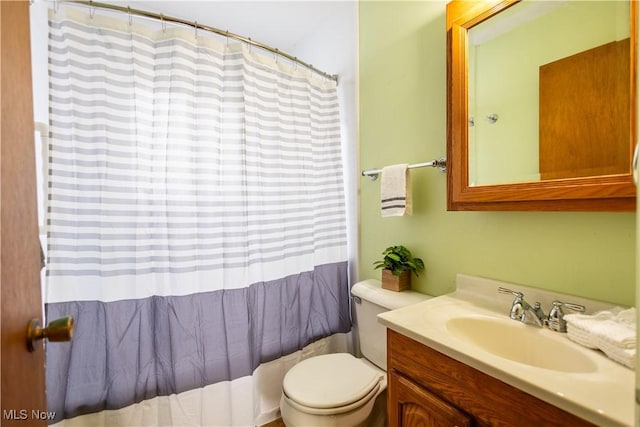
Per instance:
x=440, y=164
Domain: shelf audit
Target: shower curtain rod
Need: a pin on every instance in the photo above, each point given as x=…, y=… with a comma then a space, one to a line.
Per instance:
x=225, y=33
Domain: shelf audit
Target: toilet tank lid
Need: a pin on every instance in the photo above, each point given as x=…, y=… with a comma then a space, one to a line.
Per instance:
x=371, y=290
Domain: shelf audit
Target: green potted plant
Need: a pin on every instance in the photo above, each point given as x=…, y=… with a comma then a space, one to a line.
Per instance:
x=397, y=265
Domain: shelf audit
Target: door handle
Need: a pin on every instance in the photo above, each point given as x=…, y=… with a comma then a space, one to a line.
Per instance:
x=57, y=330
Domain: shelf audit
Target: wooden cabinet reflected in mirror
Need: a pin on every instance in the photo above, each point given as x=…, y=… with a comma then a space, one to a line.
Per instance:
x=541, y=108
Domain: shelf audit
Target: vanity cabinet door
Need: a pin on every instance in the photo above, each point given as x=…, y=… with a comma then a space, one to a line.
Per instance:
x=411, y=406
x=420, y=375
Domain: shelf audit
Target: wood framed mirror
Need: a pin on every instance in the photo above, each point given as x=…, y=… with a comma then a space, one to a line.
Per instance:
x=485, y=105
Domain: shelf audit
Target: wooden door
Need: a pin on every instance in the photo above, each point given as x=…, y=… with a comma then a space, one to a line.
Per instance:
x=23, y=376
x=577, y=137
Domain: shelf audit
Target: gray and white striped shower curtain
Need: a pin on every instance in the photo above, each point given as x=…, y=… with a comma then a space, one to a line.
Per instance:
x=196, y=218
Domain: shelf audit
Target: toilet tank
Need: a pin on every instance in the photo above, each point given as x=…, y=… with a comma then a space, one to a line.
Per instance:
x=369, y=300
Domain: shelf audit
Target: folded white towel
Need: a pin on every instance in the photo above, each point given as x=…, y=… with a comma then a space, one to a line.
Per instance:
x=617, y=335
x=616, y=327
x=627, y=316
x=395, y=191
x=611, y=331
x=581, y=336
x=624, y=356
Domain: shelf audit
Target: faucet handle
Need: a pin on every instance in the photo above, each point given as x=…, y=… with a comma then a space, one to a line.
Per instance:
x=574, y=307
x=509, y=291
x=517, y=311
x=556, y=320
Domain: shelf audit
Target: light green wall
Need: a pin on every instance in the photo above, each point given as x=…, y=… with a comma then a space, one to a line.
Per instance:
x=402, y=119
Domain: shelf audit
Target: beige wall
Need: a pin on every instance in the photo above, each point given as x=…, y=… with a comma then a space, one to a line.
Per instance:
x=402, y=115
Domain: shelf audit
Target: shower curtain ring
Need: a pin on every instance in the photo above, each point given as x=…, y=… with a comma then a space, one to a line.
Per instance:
x=56, y=6
x=276, y=55
x=92, y=10
x=227, y=38
x=164, y=24
x=250, y=45
x=196, y=26
x=130, y=17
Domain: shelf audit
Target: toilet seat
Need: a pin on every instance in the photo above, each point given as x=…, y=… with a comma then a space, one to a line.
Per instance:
x=317, y=385
x=332, y=411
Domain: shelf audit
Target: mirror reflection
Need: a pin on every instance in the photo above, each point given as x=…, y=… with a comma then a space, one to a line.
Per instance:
x=549, y=92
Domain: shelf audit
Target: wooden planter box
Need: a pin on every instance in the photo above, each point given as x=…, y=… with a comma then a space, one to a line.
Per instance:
x=396, y=283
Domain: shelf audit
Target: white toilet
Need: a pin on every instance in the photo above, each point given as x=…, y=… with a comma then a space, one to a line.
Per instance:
x=340, y=390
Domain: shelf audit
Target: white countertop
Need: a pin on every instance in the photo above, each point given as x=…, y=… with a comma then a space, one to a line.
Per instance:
x=604, y=396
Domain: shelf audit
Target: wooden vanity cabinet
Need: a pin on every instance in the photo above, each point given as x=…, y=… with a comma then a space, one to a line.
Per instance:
x=429, y=389
x=416, y=406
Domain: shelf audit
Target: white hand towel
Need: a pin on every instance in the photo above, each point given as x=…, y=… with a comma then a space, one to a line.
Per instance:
x=616, y=334
x=627, y=316
x=580, y=327
x=395, y=191
x=581, y=336
x=615, y=328
x=624, y=356
x=611, y=331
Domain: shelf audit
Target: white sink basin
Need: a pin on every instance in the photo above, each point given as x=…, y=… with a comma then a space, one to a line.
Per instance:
x=521, y=343
x=472, y=326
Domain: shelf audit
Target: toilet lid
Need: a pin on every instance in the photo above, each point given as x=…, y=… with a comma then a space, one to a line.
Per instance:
x=330, y=381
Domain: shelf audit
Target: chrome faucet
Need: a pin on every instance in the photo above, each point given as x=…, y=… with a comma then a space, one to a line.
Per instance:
x=554, y=321
x=520, y=308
